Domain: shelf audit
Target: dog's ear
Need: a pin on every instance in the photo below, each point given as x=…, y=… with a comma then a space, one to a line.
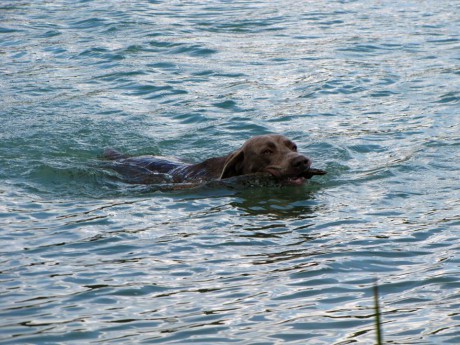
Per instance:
x=233, y=166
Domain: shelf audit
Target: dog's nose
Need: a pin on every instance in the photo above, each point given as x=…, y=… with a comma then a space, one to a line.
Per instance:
x=301, y=163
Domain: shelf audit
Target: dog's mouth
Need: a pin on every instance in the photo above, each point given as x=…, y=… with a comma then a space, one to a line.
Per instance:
x=295, y=181
x=298, y=179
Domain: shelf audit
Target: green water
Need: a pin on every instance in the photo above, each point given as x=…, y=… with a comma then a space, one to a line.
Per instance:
x=369, y=90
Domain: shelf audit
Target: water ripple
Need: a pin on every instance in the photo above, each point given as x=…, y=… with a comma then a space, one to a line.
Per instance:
x=368, y=91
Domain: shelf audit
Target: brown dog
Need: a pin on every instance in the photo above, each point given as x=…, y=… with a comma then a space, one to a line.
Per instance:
x=273, y=154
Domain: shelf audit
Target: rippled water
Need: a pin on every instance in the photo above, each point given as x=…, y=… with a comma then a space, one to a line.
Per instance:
x=368, y=89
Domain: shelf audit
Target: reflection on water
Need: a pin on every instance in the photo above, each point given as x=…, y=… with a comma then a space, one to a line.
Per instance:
x=278, y=203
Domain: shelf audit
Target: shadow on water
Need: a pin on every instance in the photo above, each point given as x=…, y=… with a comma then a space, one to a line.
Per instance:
x=279, y=202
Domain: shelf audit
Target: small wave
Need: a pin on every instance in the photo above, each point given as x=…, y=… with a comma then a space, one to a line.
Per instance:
x=64, y=180
x=193, y=50
x=450, y=97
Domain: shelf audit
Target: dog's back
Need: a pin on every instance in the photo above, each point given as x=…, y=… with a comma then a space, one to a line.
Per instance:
x=143, y=168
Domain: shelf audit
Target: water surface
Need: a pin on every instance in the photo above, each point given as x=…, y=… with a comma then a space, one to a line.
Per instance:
x=369, y=90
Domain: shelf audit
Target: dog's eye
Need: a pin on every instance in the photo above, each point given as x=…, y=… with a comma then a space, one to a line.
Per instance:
x=267, y=152
x=294, y=148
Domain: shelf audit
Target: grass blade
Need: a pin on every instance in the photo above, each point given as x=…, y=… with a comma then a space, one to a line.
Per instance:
x=378, y=321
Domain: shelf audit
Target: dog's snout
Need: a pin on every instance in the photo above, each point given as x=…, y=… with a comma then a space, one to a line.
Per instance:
x=301, y=163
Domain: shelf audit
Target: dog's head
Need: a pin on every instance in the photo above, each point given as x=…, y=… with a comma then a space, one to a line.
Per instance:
x=273, y=154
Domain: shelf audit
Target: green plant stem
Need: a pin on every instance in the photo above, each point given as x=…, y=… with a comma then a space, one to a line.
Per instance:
x=378, y=322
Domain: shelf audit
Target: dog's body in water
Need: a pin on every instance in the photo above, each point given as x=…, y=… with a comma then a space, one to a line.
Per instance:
x=272, y=154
